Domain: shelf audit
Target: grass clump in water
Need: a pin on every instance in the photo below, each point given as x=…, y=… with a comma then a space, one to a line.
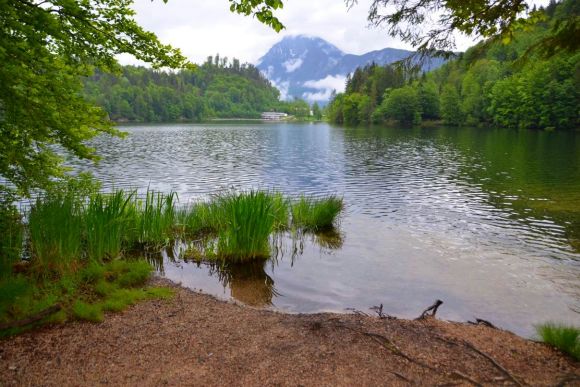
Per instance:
x=156, y=218
x=565, y=338
x=246, y=222
x=311, y=214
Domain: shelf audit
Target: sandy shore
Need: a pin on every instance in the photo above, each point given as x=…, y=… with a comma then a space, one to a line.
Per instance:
x=195, y=339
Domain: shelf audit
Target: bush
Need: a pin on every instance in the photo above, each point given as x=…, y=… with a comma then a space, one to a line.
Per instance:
x=565, y=338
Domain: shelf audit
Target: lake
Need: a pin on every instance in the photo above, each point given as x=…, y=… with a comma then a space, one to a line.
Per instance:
x=487, y=220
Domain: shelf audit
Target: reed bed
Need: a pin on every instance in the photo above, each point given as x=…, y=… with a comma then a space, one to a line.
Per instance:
x=66, y=228
x=55, y=225
x=316, y=214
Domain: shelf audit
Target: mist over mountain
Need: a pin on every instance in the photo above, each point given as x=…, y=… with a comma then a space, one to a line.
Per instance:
x=311, y=68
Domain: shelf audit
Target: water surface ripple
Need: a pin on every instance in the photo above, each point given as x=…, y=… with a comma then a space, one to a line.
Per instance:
x=486, y=220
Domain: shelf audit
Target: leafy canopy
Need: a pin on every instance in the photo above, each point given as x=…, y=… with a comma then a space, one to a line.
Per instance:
x=45, y=47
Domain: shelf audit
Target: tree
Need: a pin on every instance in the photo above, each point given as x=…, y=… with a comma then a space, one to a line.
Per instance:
x=316, y=112
x=412, y=21
x=45, y=47
x=403, y=105
x=451, y=106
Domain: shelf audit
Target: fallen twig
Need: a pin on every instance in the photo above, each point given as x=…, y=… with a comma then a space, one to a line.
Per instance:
x=458, y=374
x=479, y=321
x=433, y=309
x=494, y=362
x=32, y=319
x=379, y=311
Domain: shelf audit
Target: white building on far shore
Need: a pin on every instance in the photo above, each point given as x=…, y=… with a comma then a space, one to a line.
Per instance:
x=274, y=116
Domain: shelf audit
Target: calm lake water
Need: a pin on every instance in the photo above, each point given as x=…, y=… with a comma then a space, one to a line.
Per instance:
x=486, y=220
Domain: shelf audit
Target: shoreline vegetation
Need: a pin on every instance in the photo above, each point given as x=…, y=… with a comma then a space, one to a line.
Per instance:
x=83, y=247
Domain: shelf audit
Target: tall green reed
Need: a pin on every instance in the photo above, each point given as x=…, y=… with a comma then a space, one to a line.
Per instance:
x=312, y=214
x=55, y=225
x=108, y=219
x=11, y=236
x=246, y=220
x=155, y=218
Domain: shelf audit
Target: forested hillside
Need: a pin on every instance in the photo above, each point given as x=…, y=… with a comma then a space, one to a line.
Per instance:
x=218, y=88
x=506, y=84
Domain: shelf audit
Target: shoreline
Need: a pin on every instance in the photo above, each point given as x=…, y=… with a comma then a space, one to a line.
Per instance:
x=197, y=339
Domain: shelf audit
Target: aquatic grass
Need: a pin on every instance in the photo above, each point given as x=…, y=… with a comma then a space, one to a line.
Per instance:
x=198, y=219
x=246, y=222
x=280, y=211
x=11, y=237
x=565, y=338
x=108, y=219
x=55, y=227
x=316, y=214
x=155, y=218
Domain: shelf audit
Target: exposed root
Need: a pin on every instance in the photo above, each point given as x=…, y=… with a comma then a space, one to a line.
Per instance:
x=32, y=319
x=459, y=375
x=479, y=321
x=433, y=309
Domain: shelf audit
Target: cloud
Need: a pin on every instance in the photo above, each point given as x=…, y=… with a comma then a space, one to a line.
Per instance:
x=201, y=27
x=282, y=87
x=292, y=65
x=331, y=82
x=321, y=96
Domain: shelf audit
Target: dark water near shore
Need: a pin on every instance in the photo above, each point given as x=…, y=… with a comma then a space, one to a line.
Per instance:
x=486, y=220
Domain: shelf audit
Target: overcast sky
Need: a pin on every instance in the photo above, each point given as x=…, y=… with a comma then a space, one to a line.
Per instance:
x=206, y=27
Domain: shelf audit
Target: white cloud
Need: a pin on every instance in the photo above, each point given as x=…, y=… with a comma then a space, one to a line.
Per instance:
x=321, y=96
x=201, y=28
x=282, y=87
x=292, y=65
x=331, y=82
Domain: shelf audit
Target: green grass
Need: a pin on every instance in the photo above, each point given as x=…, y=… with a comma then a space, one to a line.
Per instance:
x=197, y=220
x=156, y=218
x=11, y=234
x=565, y=338
x=108, y=222
x=55, y=228
x=311, y=214
x=246, y=221
x=85, y=294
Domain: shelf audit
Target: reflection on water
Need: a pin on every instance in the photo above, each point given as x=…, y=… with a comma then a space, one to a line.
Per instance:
x=486, y=220
x=247, y=281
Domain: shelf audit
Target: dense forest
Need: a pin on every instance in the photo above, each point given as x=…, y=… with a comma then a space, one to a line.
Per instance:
x=502, y=83
x=219, y=88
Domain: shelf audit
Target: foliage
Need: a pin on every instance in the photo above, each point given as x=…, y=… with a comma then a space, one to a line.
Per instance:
x=44, y=48
x=565, y=338
x=219, y=88
x=487, y=85
x=403, y=105
x=413, y=22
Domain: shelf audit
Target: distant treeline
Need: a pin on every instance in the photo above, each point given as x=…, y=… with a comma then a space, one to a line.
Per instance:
x=219, y=88
x=505, y=84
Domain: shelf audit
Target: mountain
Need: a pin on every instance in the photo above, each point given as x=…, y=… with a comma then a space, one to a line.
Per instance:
x=310, y=67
